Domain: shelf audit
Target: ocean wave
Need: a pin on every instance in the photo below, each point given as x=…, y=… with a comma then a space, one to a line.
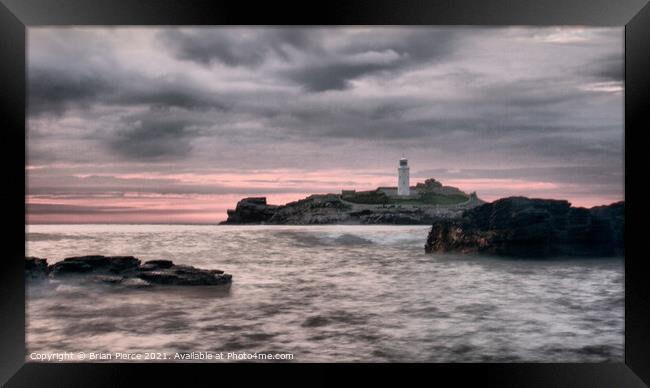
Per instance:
x=313, y=239
x=350, y=239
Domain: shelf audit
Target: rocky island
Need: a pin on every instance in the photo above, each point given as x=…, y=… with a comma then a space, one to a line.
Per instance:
x=123, y=270
x=425, y=203
x=523, y=227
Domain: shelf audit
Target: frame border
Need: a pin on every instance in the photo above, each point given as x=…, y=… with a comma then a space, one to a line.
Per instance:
x=17, y=15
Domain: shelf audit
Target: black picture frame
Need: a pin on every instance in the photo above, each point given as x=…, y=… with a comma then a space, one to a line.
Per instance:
x=17, y=15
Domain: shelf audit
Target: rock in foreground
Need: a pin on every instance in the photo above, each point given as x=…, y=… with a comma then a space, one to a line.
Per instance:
x=35, y=268
x=523, y=227
x=125, y=270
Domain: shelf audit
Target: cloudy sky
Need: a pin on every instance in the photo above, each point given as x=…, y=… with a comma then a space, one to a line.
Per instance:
x=176, y=124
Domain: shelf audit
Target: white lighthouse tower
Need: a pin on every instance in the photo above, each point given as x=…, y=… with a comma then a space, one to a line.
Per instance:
x=403, y=177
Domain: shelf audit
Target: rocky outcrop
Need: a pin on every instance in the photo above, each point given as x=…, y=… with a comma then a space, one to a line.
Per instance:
x=125, y=270
x=95, y=264
x=523, y=227
x=429, y=201
x=184, y=275
x=315, y=209
x=253, y=210
x=332, y=209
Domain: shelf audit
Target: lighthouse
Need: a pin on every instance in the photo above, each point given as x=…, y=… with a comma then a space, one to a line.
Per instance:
x=403, y=177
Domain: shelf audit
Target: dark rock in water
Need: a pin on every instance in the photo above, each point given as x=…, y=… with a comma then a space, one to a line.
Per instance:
x=35, y=267
x=67, y=267
x=84, y=264
x=156, y=264
x=519, y=226
x=182, y=275
x=609, y=221
x=126, y=270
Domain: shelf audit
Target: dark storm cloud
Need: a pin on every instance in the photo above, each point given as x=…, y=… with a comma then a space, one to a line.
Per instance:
x=311, y=61
x=163, y=93
x=51, y=91
x=88, y=83
x=81, y=69
x=235, y=46
x=333, y=76
x=55, y=90
x=317, y=60
x=153, y=139
x=336, y=73
x=507, y=110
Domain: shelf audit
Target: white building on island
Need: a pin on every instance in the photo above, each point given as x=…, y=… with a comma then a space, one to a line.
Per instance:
x=403, y=178
x=425, y=193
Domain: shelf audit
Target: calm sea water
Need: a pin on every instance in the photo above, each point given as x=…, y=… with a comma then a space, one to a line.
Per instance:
x=328, y=293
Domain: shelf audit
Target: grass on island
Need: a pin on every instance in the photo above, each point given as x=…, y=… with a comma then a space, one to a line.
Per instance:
x=379, y=198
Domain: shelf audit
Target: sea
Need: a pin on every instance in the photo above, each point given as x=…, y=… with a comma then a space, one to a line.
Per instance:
x=330, y=293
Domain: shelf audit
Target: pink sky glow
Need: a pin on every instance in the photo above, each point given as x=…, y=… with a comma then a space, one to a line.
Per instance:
x=136, y=207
